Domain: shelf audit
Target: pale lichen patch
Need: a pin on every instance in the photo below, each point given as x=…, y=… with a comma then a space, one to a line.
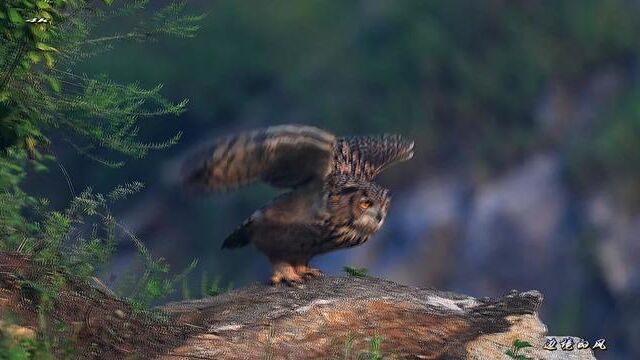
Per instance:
x=228, y=327
x=304, y=309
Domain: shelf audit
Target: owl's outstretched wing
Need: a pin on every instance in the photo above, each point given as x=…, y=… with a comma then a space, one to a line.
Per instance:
x=367, y=156
x=282, y=156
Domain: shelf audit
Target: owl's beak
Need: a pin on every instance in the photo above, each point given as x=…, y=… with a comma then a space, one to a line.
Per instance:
x=379, y=216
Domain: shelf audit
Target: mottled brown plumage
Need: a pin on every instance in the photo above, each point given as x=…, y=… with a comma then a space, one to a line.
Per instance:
x=333, y=204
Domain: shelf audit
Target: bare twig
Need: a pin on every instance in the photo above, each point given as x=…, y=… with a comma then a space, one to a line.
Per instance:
x=128, y=36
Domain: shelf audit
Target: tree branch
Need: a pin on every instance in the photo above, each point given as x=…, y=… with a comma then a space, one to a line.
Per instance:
x=127, y=36
x=13, y=65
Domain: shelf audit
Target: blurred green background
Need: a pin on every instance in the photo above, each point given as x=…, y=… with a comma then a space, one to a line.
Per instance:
x=526, y=117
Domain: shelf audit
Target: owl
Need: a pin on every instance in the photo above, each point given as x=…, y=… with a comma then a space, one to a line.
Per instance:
x=332, y=203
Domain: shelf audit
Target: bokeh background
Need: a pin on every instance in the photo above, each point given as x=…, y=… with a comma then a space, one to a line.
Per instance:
x=526, y=117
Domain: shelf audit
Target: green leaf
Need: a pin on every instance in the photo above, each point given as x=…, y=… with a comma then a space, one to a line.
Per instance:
x=43, y=4
x=14, y=17
x=34, y=56
x=154, y=289
x=45, y=47
x=108, y=2
x=45, y=15
x=355, y=271
x=55, y=84
x=39, y=33
x=521, y=344
x=39, y=167
x=51, y=61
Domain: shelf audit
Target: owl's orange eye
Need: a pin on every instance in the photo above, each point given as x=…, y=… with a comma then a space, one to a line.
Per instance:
x=365, y=204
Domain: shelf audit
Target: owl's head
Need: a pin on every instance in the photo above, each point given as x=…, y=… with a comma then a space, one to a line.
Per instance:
x=361, y=204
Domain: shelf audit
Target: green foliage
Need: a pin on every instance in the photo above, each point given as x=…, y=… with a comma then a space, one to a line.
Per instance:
x=14, y=229
x=80, y=238
x=37, y=99
x=52, y=340
x=170, y=20
x=374, y=351
x=41, y=42
x=355, y=271
x=76, y=242
x=268, y=346
x=348, y=346
x=215, y=287
x=14, y=349
x=38, y=92
x=27, y=27
x=375, y=348
x=39, y=95
x=156, y=282
x=24, y=349
x=514, y=351
x=207, y=288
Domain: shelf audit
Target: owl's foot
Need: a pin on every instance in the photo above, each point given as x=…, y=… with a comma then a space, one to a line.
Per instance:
x=285, y=273
x=308, y=272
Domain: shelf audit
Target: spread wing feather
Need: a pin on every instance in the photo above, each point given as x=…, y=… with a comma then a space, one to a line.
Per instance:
x=366, y=156
x=282, y=156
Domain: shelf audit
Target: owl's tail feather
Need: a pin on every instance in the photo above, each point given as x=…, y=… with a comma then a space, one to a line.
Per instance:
x=239, y=237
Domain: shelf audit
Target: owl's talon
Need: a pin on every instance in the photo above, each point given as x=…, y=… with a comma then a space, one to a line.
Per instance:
x=295, y=284
x=288, y=276
x=307, y=272
x=312, y=273
x=289, y=282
